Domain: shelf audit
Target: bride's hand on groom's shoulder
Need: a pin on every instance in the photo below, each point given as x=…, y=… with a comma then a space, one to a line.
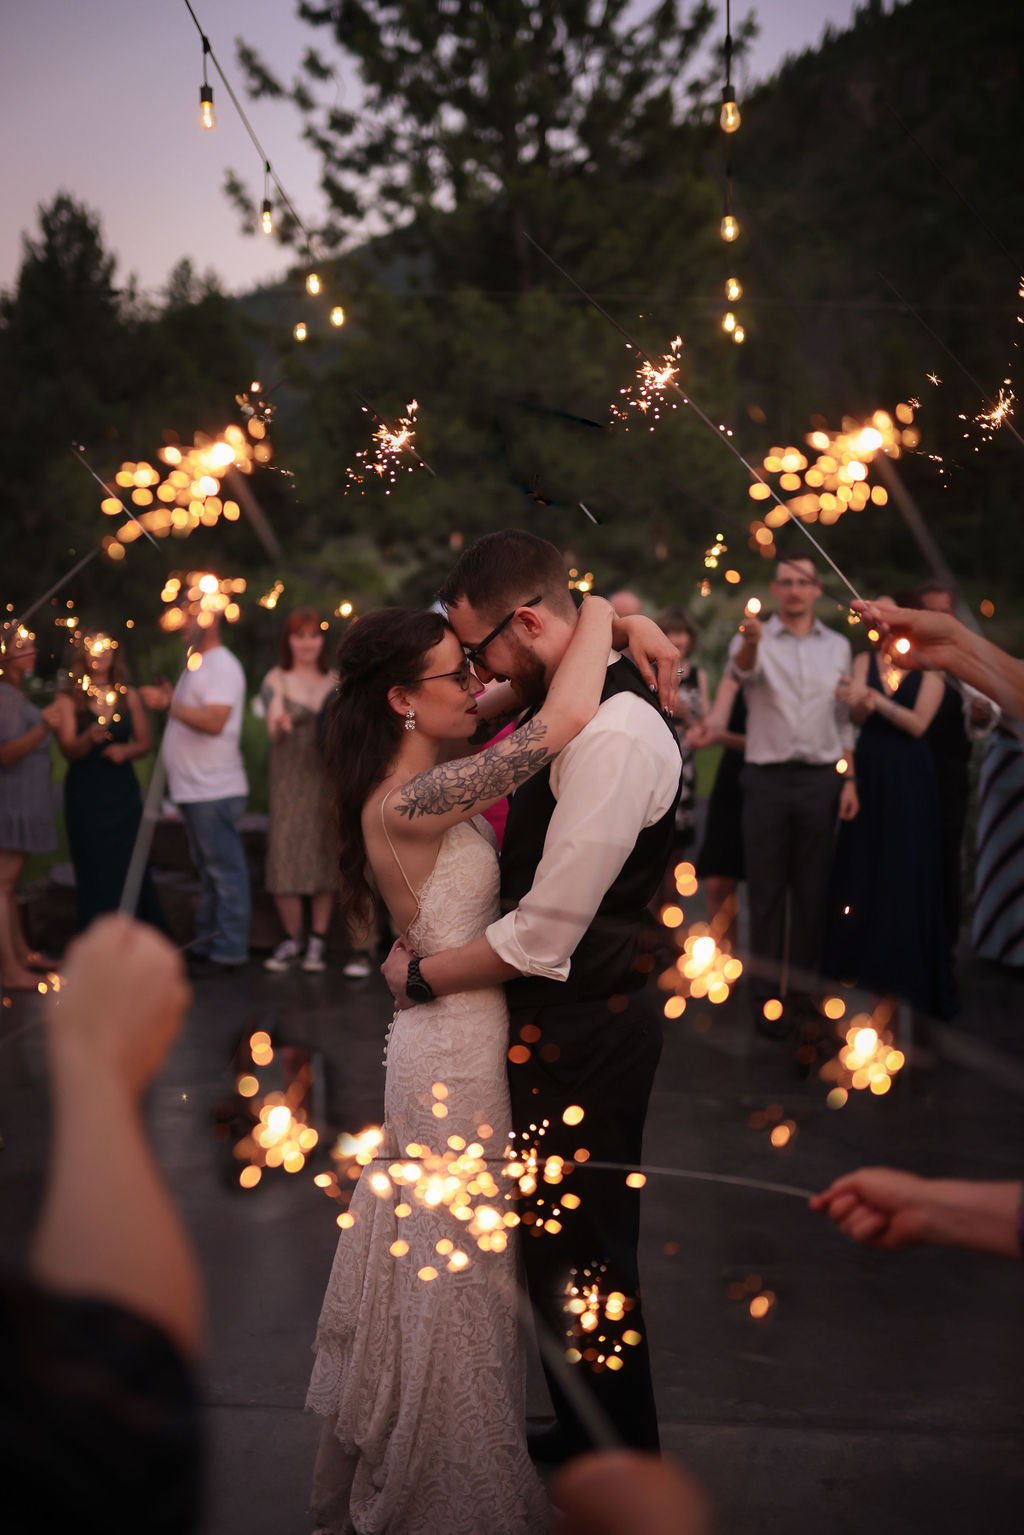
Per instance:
x=395, y=971
x=653, y=654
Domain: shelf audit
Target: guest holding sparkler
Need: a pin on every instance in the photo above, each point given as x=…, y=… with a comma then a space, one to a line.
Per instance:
x=896, y=947
x=207, y=781
x=102, y=729
x=26, y=798
x=797, y=735
x=302, y=844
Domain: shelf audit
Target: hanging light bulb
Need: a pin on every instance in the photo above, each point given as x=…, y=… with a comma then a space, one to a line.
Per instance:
x=207, y=116
x=739, y=335
x=313, y=283
x=266, y=212
x=730, y=228
x=733, y=289
x=300, y=332
x=729, y=118
x=337, y=315
x=728, y=322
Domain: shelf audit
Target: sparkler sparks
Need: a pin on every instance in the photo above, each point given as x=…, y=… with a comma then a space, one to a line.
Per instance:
x=187, y=493
x=868, y=1059
x=597, y=1331
x=991, y=420
x=384, y=457
x=646, y=393
x=837, y=480
x=200, y=595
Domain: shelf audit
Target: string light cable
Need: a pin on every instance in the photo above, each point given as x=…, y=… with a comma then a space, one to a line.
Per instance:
x=269, y=173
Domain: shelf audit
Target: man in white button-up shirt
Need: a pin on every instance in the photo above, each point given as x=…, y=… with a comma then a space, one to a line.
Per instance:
x=798, y=777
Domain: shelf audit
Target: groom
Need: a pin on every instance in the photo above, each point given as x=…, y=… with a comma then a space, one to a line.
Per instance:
x=585, y=848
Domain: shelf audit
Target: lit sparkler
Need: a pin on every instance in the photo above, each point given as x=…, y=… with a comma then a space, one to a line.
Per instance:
x=597, y=1333
x=647, y=392
x=721, y=432
x=868, y=1059
x=384, y=457
x=281, y=1136
x=201, y=595
x=991, y=420
x=186, y=493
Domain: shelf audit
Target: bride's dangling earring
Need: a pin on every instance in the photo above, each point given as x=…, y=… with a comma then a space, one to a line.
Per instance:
x=410, y=719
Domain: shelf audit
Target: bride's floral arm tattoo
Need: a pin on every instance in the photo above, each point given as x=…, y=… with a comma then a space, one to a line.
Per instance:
x=471, y=780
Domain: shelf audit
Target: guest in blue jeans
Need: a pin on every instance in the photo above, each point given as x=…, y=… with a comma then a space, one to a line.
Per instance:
x=207, y=781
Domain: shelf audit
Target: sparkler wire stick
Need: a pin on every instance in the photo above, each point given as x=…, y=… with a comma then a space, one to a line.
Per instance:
x=1007, y=423
x=957, y=192
x=62, y=581
x=688, y=400
x=700, y=1177
x=583, y=1402
x=417, y=455
x=144, y=836
x=79, y=453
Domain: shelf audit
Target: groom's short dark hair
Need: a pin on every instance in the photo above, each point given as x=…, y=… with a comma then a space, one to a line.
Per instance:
x=502, y=570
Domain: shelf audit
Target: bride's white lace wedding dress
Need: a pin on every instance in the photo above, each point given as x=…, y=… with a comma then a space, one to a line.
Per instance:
x=420, y=1380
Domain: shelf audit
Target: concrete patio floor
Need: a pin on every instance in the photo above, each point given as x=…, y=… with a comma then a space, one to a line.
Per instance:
x=879, y=1395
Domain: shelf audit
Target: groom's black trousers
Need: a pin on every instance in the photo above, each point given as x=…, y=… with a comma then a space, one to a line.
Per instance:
x=599, y=1055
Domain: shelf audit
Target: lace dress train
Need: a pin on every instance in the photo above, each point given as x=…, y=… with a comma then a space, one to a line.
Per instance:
x=418, y=1370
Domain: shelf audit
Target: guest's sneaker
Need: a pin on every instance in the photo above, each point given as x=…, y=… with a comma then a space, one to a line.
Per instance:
x=284, y=956
x=357, y=967
x=313, y=959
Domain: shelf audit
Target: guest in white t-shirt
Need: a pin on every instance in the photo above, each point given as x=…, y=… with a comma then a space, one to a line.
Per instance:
x=207, y=781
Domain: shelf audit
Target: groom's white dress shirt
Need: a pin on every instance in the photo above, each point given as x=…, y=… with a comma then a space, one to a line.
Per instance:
x=617, y=776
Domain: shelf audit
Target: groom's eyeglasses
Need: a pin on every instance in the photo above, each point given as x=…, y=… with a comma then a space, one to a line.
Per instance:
x=474, y=653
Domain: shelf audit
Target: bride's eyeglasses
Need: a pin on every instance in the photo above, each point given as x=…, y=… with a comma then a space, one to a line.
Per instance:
x=464, y=676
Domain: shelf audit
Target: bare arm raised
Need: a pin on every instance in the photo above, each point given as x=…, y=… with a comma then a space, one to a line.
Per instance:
x=456, y=791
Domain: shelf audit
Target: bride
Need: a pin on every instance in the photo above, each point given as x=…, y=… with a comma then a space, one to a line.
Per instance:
x=418, y=1374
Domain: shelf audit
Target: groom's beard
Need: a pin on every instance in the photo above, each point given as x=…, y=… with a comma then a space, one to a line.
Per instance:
x=528, y=677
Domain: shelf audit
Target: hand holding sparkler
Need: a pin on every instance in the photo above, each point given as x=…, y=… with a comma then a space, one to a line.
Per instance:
x=121, y=1002
x=928, y=641
x=885, y=1208
x=157, y=695
x=108, y=1228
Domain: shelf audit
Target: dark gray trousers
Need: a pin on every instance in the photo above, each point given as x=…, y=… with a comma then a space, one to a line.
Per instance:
x=789, y=827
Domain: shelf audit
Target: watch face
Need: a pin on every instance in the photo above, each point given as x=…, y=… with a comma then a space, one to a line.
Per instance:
x=419, y=991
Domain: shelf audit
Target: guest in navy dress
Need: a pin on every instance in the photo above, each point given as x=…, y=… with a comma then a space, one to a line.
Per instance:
x=101, y=729
x=887, y=927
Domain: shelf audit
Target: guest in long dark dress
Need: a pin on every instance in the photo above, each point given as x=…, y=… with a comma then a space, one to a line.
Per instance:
x=886, y=920
x=101, y=729
x=721, y=863
x=949, y=739
x=26, y=799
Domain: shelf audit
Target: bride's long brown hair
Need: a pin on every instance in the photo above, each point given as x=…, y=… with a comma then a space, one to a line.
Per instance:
x=385, y=649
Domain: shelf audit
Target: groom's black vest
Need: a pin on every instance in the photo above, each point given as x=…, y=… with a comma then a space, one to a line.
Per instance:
x=604, y=962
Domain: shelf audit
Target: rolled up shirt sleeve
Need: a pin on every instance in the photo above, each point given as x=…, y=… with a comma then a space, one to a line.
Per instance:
x=737, y=673
x=611, y=784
